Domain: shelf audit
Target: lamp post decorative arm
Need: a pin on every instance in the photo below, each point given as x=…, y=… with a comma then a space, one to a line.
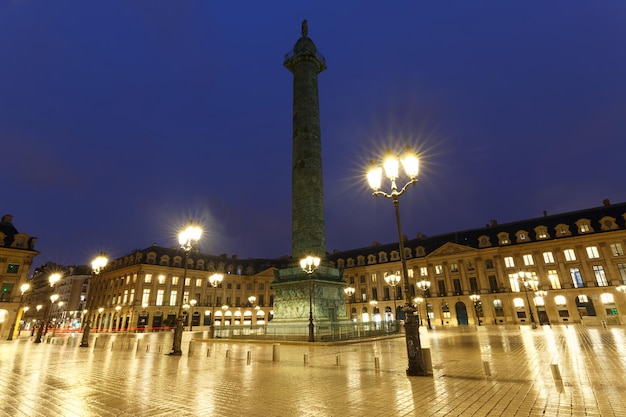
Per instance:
x=390, y=165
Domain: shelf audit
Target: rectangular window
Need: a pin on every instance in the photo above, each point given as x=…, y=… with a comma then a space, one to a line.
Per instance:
x=174, y=280
x=261, y=300
x=621, y=268
x=616, y=249
x=423, y=271
x=514, y=283
x=454, y=268
x=442, y=287
x=160, y=297
x=457, y=286
x=363, y=294
x=445, y=310
x=218, y=301
x=598, y=271
x=577, y=279
x=186, y=297
x=161, y=279
x=229, y=286
x=548, y=257
x=7, y=289
x=187, y=282
x=198, y=282
x=238, y=301
x=499, y=309
x=125, y=299
x=570, y=255
x=249, y=286
x=493, y=283
x=470, y=266
x=592, y=252
x=173, y=297
x=374, y=277
x=132, y=296
x=488, y=263
x=473, y=285
x=584, y=228
x=148, y=278
x=351, y=281
x=362, y=279
x=262, y=285
x=555, y=282
x=13, y=268
x=509, y=262
x=145, y=299
x=528, y=260
x=438, y=269
x=410, y=271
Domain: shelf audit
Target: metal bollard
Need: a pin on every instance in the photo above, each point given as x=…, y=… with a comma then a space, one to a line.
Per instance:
x=487, y=368
x=306, y=358
x=147, y=348
x=249, y=357
x=556, y=373
x=208, y=352
x=428, y=361
x=377, y=363
x=227, y=352
x=276, y=352
x=337, y=360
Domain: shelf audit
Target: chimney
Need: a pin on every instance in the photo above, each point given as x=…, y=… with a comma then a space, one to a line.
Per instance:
x=7, y=218
x=606, y=202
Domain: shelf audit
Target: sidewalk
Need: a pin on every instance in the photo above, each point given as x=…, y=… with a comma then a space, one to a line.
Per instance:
x=489, y=371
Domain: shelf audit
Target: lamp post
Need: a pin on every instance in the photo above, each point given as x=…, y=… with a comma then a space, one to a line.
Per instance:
x=475, y=298
x=215, y=280
x=419, y=301
x=393, y=280
x=187, y=239
x=527, y=279
x=391, y=165
x=192, y=303
x=23, y=289
x=542, y=294
x=101, y=324
x=52, y=279
x=424, y=286
x=118, y=318
x=59, y=321
x=97, y=265
x=309, y=265
x=350, y=293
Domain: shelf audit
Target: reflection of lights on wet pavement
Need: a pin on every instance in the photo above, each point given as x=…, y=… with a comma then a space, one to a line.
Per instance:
x=132, y=375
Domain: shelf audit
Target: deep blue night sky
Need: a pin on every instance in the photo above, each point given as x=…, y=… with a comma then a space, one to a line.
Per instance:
x=121, y=120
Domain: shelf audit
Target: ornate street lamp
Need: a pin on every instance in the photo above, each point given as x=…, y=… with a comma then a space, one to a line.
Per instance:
x=23, y=289
x=192, y=303
x=52, y=279
x=541, y=294
x=424, y=286
x=393, y=280
x=215, y=280
x=350, y=293
x=528, y=280
x=391, y=167
x=309, y=265
x=97, y=265
x=475, y=298
x=187, y=239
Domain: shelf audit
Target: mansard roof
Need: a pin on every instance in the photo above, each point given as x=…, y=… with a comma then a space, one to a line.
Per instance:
x=470, y=238
x=141, y=256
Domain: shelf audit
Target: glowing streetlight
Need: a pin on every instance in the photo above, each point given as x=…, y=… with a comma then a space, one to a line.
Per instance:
x=309, y=265
x=393, y=280
x=529, y=281
x=192, y=304
x=475, y=298
x=188, y=238
x=23, y=289
x=349, y=293
x=391, y=168
x=215, y=280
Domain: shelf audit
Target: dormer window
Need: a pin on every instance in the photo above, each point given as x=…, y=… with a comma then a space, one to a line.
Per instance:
x=395, y=255
x=584, y=226
x=608, y=223
x=503, y=238
x=484, y=242
x=541, y=232
x=382, y=257
x=562, y=230
x=420, y=251
x=360, y=260
x=371, y=259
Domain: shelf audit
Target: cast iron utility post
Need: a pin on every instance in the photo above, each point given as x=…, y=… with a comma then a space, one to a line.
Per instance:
x=215, y=280
x=309, y=265
x=391, y=165
x=97, y=265
x=23, y=289
x=187, y=239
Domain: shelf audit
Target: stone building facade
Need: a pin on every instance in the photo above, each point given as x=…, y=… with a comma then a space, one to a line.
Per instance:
x=574, y=265
x=17, y=252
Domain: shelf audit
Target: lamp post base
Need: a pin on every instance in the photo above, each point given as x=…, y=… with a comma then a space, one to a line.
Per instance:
x=178, y=338
x=413, y=346
x=311, y=331
x=85, y=340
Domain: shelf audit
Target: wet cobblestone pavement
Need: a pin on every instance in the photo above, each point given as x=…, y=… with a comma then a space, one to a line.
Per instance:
x=485, y=371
